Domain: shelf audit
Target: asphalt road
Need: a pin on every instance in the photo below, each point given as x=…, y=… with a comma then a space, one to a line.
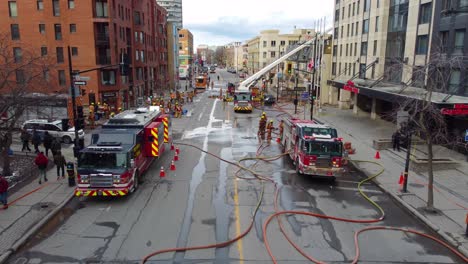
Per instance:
x=202, y=202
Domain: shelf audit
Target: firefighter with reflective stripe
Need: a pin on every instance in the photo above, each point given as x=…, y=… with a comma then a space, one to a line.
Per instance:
x=178, y=110
x=261, y=129
x=269, y=130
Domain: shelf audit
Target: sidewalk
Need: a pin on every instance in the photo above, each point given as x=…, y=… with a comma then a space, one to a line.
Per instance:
x=450, y=185
x=40, y=203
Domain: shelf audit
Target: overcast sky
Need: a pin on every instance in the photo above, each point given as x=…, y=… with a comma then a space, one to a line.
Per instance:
x=218, y=22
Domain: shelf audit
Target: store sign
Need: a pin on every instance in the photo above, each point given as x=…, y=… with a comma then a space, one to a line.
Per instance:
x=109, y=94
x=458, y=109
x=349, y=86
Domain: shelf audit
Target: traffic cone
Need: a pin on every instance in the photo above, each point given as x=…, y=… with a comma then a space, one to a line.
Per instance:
x=278, y=140
x=377, y=155
x=173, y=168
x=162, y=174
x=176, y=157
x=172, y=146
x=177, y=151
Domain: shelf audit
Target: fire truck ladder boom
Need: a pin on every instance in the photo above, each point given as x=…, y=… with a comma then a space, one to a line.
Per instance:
x=245, y=85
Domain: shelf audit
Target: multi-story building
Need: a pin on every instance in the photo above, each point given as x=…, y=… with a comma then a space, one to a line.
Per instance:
x=185, y=47
x=174, y=11
x=173, y=54
x=386, y=49
x=100, y=33
x=234, y=55
x=204, y=54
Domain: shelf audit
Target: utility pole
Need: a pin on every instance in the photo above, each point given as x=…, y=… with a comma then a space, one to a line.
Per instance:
x=408, y=157
x=73, y=97
x=313, y=79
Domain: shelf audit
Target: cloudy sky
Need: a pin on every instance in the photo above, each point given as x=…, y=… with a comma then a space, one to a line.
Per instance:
x=218, y=22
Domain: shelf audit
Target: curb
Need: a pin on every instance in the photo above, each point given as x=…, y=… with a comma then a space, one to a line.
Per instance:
x=5, y=255
x=421, y=217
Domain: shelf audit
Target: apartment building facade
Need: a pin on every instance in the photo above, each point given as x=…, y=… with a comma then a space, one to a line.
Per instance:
x=172, y=54
x=100, y=33
x=174, y=11
x=185, y=47
x=386, y=49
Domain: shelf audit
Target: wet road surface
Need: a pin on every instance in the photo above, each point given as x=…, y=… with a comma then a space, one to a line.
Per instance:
x=202, y=202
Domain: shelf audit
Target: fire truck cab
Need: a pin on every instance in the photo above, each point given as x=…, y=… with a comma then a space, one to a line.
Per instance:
x=315, y=149
x=121, y=151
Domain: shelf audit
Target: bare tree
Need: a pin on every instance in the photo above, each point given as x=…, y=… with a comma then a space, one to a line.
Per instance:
x=220, y=56
x=22, y=74
x=425, y=118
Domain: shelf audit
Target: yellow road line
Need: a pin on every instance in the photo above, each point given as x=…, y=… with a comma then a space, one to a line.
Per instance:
x=238, y=225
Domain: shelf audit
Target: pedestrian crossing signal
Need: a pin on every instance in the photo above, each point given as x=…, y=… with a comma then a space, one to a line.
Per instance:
x=289, y=68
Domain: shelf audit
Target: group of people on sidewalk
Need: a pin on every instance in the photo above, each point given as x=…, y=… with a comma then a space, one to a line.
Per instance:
x=42, y=161
x=49, y=142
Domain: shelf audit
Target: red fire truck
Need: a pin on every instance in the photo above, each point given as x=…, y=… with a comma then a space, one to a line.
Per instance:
x=121, y=151
x=315, y=149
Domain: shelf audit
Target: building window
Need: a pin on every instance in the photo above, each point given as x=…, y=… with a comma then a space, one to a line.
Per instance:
x=72, y=28
x=273, y=43
x=462, y=3
x=15, y=33
x=357, y=28
x=374, y=53
x=367, y=5
x=459, y=41
x=336, y=32
x=418, y=77
x=20, y=79
x=341, y=32
x=264, y=54
x=346, y=51
x=346, y=68
x=362, y=71
x=337, y=15
x=71, y=4
x=58, y=31
x=376, y=24
x=421, y=45
x=357, y=10
x=354, y=67
x=273, y=54
x=365, y=26
x=347, y=31
x=341, y=50
x=18, y=54
x=42, y=28
x=56, y=7
x=40, y=5
x=108, y=77
x=342, y=14
x=43, y=51
x=12, y=8
x=334, y=68
x=444, y=35
x=101, y=10
x=45, y=75
x=351, y=49
x=454, y=82
x=349, y=10
x=282, y=43
x=425, y=13
x=74, y=51
x=364, y=49
x=352, y=29
x=61, y=78
x=354, y=7
x=355, y=49
x=137, y=55
x=335, y=50
x=59, y=51
x=264, y=44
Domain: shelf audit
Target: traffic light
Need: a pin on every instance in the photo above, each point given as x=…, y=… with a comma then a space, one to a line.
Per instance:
x=79, y=124
x=289, y=68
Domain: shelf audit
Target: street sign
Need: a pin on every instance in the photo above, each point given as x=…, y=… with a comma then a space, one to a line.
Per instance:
x=79, y=82
x=82, y=78
x=466, y=135
x=305, y=95
x=280, y=75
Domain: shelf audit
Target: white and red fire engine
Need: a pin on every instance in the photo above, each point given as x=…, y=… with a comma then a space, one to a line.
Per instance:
x=121, y=151
x=315, y=149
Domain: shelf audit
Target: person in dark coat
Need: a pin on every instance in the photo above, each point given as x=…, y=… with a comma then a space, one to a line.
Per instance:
x=56, y=146
x=48, y=139
x=396, y=140
x=36, y=140
x=25, y=137
x=3, y=192
x=41, y=161
x=60, y=162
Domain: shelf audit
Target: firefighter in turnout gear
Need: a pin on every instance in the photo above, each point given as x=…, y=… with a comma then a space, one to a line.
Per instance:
x=281, y=129
x=178, y=110
x=269, y=130
x=261, y=129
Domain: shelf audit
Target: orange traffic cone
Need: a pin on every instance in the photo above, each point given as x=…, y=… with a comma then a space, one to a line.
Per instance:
x=162, y=174
x=278, y=140
x=173, y=168
x=377, y=155
x=177, y=151
x=172, y=146
x=176, y=157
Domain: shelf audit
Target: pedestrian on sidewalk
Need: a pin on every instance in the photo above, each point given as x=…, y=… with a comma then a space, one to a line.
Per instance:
x=56, y=146
x=41, y=161
x=36, y=140
x=48, y=142
x=25, y=137
x=3, y=192
x=396, y=140
x=60, y=162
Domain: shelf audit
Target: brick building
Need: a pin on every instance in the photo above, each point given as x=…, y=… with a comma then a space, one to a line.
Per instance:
x=100, y=33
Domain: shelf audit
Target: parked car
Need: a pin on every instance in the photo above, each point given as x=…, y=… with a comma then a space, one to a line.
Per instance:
x=269, y=99
x=56, y=129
